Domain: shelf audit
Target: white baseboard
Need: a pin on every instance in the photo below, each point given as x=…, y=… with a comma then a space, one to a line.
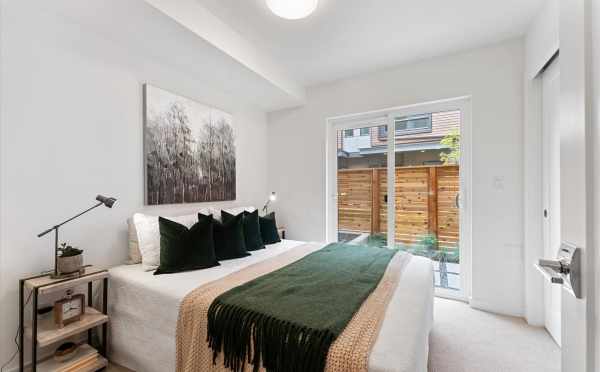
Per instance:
x=535, y=321
x=495, y=308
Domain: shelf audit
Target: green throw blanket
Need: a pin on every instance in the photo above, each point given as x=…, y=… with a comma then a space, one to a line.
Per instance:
x=289, y=318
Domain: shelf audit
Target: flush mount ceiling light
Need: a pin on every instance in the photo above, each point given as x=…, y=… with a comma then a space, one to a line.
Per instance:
x=292, y=9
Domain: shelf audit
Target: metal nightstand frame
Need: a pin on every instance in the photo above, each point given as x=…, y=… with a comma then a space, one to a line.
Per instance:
x=34, y=320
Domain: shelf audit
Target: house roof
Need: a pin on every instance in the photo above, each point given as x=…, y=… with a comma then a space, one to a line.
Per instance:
x=406, y=147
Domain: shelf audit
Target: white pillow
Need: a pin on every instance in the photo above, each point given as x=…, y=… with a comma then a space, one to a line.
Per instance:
x=216, y=213
x=135, y=257
x=237, y=210
x=148, y=234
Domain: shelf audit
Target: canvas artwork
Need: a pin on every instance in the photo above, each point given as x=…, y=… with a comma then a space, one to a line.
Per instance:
x=189, y=150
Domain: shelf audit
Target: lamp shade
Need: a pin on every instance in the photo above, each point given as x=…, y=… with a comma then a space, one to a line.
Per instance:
x=292, y=9
x=107, y=201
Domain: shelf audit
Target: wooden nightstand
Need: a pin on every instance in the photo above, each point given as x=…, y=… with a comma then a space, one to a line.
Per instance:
x=281, y=231
x=45, y=332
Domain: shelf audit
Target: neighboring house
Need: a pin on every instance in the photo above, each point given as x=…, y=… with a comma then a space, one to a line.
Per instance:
x=417, y=141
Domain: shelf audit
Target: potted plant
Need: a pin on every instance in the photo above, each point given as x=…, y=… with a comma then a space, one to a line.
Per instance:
x=429, y=243
x=70, y=259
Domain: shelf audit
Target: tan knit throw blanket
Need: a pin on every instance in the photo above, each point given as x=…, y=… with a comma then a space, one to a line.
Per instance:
x=349, y=353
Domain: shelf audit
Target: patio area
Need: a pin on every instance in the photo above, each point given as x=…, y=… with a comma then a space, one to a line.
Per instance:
x=446, y=263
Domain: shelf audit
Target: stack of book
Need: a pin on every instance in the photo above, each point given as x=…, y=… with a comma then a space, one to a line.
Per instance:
x=83, y=362
x=86, y=359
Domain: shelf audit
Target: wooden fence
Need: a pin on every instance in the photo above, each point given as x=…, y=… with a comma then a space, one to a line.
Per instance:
x=425, y=202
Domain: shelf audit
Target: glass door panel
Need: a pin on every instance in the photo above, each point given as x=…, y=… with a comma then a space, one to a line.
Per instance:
x=362, y=185
x=427, y=154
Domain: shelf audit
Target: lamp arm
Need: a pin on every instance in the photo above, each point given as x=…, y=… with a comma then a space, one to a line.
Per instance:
x=266, y=205
x=55, y=227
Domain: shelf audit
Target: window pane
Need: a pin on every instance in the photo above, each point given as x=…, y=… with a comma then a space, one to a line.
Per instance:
x=349, y=133
x=364, y=131
x=420, y=123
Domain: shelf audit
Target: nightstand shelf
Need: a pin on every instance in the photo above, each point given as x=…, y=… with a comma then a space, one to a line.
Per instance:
x=43, y=331
x=49, y=333
x=86, y=360
x=46, y=285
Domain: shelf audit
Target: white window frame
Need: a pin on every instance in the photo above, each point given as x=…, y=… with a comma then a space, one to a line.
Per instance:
x=387, y=116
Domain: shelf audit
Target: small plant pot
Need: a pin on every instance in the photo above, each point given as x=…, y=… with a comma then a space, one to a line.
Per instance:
x=71, y=264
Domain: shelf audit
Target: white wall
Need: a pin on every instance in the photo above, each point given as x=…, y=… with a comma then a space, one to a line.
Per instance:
x=71, y=127
x=493, y=76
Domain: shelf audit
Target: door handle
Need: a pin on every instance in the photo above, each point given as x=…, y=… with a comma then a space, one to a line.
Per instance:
x=555, y=265
x=565, y=270
x=549, y=274
x=552, y=270
x=457, y=200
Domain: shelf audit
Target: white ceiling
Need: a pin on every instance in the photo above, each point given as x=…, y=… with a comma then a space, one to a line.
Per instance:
x=349, y=37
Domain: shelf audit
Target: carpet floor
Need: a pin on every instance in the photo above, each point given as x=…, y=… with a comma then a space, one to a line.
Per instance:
x=468, y=340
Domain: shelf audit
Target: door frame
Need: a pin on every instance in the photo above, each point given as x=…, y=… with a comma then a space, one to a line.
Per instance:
x=571, y=23
x=386, y=116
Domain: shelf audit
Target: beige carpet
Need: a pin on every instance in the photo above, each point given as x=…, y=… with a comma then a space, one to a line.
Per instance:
x=468, y=340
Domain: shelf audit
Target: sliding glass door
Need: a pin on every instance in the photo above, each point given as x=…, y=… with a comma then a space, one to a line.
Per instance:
x=398, y=185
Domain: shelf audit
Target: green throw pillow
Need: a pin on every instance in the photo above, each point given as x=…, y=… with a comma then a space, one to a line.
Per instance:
x=268, y=229
x=252, y=236
x=183, y=249
x=229, y=238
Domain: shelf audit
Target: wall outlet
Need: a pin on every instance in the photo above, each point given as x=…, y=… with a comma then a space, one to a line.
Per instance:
x=499, y=183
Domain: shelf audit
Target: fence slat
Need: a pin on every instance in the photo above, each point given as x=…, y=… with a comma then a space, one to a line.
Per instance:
x=425, y=202
x=432, y=211
x=375, y=226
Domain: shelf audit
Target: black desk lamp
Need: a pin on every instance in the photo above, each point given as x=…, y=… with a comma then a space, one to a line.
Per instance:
x=107, y=201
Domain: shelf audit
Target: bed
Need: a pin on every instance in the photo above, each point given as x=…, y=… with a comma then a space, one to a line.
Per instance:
x=144, y=310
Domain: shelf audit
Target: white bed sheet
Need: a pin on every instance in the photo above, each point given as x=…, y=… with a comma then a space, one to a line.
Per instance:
x=144, y=310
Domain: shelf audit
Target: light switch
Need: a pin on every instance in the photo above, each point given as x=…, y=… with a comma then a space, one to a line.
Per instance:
x=499, y=183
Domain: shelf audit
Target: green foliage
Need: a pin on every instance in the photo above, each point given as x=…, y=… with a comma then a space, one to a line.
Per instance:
x=428, y=241
x=452, y=141
x=451, y=254
x=68, y=251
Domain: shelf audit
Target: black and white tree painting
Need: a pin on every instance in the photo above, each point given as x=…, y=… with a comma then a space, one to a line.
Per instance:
x=189, y=150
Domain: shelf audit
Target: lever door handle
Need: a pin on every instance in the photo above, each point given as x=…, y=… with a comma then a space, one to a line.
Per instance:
x=550, y=274
x=565, y=269
x=554, y=265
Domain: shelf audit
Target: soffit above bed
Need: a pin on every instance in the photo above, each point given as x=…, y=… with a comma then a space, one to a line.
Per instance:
x=183, y=35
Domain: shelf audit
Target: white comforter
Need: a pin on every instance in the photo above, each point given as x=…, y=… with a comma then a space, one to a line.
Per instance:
x=144, y=310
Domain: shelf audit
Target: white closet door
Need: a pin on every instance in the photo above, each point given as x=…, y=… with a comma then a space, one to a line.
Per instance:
x=551, y=191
